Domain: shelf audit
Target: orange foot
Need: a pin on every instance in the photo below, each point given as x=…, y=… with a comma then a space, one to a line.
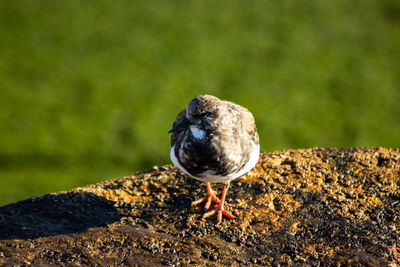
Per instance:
x=208, y=198
x=219, y=209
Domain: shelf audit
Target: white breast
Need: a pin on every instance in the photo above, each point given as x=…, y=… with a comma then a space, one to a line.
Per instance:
x=176, y=161
x=253, y=159
x=212, y=178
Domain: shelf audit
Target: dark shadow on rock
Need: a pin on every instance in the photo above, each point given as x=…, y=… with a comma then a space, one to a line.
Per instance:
x=50, y=215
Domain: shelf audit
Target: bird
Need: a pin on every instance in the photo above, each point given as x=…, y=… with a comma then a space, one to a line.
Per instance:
x=214, y=141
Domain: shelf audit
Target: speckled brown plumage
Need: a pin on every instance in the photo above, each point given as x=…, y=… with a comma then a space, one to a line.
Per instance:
x=214, y=141
x=229, y=131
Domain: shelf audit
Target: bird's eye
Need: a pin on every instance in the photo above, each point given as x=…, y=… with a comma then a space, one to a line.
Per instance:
x=204, y=114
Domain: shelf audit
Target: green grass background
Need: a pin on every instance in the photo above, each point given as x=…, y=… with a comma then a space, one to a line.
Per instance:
x=89, y=89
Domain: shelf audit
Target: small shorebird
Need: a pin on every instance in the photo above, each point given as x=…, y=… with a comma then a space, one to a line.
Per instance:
x=214, y=141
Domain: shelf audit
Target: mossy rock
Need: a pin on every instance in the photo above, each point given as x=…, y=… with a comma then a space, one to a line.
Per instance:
x=309, y=206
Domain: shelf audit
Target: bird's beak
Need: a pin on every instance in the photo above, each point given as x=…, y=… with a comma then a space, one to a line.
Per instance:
x=182, y=124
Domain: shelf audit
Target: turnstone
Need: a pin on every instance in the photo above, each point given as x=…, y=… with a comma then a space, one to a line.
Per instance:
x=214, y=141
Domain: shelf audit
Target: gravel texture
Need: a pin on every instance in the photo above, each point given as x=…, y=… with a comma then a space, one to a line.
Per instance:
x=297, y=207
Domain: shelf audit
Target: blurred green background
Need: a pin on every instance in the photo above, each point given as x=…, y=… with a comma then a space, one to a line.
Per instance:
x=89, y=89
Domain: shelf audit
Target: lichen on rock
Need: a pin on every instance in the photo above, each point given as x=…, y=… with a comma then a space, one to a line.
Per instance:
x=314, y=206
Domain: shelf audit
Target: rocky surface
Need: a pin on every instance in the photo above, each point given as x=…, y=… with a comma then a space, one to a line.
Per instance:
x=312, y=206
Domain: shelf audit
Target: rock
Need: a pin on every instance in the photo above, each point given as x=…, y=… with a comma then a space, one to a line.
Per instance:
x=312, y=206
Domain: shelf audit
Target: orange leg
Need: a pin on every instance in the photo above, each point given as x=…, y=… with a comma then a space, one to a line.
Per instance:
x=208, y=198
x=219, y=209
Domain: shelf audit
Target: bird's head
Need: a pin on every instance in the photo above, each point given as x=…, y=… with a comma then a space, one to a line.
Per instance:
x=200, y=112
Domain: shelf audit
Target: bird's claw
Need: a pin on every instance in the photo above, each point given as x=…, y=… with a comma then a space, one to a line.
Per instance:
x=220, y=212
x=210, y=197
